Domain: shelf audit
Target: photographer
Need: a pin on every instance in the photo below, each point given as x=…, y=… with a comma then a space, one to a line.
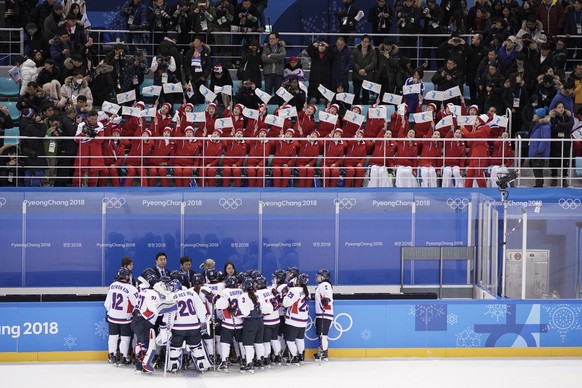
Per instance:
x=134, y=12
x=349, y=15
x=51, y=148
x=246, y=19
x=380, y=16
x=202, y=17
x=448, y=76
x=159, y=19
x=89, y=153
x=434, y=23
x=34, y=162
x=224, y=15
x=408, y=18
x=182, y=20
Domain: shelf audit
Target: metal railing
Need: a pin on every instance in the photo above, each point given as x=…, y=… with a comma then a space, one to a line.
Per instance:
x=270, y=168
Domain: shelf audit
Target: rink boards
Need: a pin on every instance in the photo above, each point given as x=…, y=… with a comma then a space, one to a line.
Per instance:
x=74, y=331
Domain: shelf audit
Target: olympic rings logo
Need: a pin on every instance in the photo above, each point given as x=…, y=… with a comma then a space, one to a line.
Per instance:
x=2, y=201
x=230, y=203
x=569, y=203
x=457, y=203
x=114, y=202
x=337, y=325
x=346, y=203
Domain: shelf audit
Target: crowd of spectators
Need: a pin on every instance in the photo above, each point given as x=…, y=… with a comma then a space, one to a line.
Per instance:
x=507, y=54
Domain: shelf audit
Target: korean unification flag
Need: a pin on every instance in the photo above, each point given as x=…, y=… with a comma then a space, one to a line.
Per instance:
x=302, y=87
x=378, y=112
x=456, y=110
x=275, y=120
x=189, y=90
x=250, y=113
x=153, y=90
x=325, y=92
x=265, y=97
x=434, y=95
x=422, y=117
x=354, y=117
x=348, y=98
x=284, y=94
x=110, y=107
x=390, y=98
x=327, y=117
x=226, y=89
x=224, y=122
x=287, y=113
x=411, y=89
x=500, y=121
x=176, y=116
x=466, y=120
x=151, y=112
x=446, y=121
x=196, y=117
x=131, y=111
x=451, y=93
x=122, y=98
x=372, y=86
x=173, y=88
x=209, y=96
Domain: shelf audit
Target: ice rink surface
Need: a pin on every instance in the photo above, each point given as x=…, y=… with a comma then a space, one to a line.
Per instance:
x=390, y=373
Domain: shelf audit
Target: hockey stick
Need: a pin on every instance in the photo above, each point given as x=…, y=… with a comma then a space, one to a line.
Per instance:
x=168, y=338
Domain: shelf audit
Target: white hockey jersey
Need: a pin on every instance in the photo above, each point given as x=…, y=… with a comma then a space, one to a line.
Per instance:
x=150, y=305
x=264, y=307
x=120, y=301
x=324, y=290
x=231, y=297
x=271, y=309
x=297, y=307
x=191, y=311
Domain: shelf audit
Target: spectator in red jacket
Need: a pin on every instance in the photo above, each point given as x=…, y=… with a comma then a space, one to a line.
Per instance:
x=162, y=158
x=113, y=156
x=238, y=120
x=306, y=161
x=162, y=120
x=211, y=154
x=211, y=116
x=399, y=124
x=282, y=162
x=478, y=151
x=350, y=128
x=355, y=161
x=501, y=158
x=551, y=14
x=257, y=159
x=382, y=161
x=407, y=161
x=455, y=155
x=137, y=159
x=255, y=125
x=324, y=128
x=234, y=157
x=305, y=124
x=89, y=158
x=333, y=158
x=430, y=161
x=186, y=158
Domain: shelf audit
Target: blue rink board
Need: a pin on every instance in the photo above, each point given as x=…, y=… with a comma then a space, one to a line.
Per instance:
x=378, y=324
x=77, y=238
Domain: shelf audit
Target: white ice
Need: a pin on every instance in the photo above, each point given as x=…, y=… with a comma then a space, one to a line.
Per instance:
x=389, y=373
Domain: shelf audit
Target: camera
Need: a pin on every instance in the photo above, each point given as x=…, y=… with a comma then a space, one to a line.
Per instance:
x=504, y=180
x=89, y=131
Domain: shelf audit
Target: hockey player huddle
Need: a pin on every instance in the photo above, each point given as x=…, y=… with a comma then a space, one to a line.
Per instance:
x=240, y=317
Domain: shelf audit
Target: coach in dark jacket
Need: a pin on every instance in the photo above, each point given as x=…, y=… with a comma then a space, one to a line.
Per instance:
x=343, y=62
x=320, y=72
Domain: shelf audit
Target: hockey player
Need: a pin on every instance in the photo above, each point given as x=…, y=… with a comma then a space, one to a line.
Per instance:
x=186, y=323
x=270, y=320
x=119, y=303
x=323, y=312
x=233, y=310
x=252, y=330
x=209, y=293
x=296, y=318
x=279, y=290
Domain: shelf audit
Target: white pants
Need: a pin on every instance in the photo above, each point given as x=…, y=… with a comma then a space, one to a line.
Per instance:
x=404, y=177
x=452, y=177
x=494, y=171
x=428, y=177
x=379, y=177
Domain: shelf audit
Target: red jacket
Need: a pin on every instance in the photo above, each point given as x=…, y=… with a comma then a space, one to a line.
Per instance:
x=431, y=154
x=307, y=125
x=133, y=126
x=355, y=153
x=334, y=153
x=502, y=153
x=455, y=153
x=407, y=153
x=259, y=152
x=113, y=153
x=399, y=125
x=139, y=153
x=383, y=154
x=373, y=127
x=187, y=153
x=285, y=152
x=162, y=152
x=163, y=122
x=477, y=149
x=308, y=153
x=212, y=152
x=235, y=153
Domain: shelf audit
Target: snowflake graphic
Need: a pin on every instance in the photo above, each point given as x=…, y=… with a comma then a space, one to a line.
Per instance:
x=452, y=319
x=366, y=334
x=70, y=342
x=497, y=311
x=564, y=319
x=468, y=339
x=427, y=312
x=101, y=329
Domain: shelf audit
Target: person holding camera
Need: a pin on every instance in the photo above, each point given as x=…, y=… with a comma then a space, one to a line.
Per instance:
x=434, y=23
x=380, y=16
x=51, y=148
x=159, y=19
x=202, y=18
x=33, y=130
x=224, y=14
x=408, y=17
x=349, y=15
x=89, y=159
x=182, y=13
x=134, y=12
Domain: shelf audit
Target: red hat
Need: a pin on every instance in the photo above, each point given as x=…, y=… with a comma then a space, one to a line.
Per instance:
x=483, y=119
x=317, y=133
x=147, y=131
x=474, y=107
x=189, y=105
x=141, y=104
x=263, y=130
x=313, y=107
x=188, y=128
x=290, y=130
x=217, y=68
x=219, y=130
x=339, y=130
x=357, y=107
x=336, y=106
x=167, y=129
x=293, y=59
x=240, y=106
x=168, y=105
x=432, y=105
x=116, y=130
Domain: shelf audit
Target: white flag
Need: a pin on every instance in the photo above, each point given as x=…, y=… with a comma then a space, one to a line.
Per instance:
x=196, y=117
x=275, y=120
x=189, y=90
x=302, y=87
x=411, y=89
x=173, y=88
x=466, y=120
x=265, y=97
x=354, y=117
x=327, y=117
x=422, y=117
x=451, y=93
x=223, y=122
x=110, y=107
x=434, y=95
x=500, y=121
x=130, y=111
x=372, y=86
x=284, y=94
x=446, y=121
x=226, y=89
x=208, y=95
x=122, y=98
x=455, y=110
x=392, y=99
x=251, y=113
x=151, y=112
x=176, y=115
x=287, y=113
x=325, y=92
x=378, y=112
x=348, y=98
x=153, y=90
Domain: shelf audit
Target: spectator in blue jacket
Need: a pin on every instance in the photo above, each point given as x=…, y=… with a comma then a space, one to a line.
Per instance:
x=566, y=96
x=539, y=144
x=343, y=62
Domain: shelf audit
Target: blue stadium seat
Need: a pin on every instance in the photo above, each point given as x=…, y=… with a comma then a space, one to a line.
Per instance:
x=11, y=105
x=11, y=132
x=8, y=88
x=147, y=82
